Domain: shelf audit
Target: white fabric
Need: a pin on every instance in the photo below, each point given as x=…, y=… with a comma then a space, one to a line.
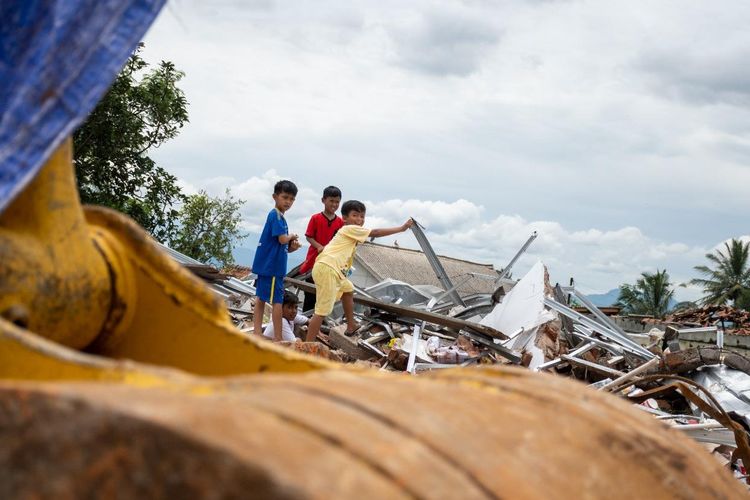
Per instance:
x=287, y=328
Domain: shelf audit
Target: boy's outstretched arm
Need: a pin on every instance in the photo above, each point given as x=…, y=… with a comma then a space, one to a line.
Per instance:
x=387, y=231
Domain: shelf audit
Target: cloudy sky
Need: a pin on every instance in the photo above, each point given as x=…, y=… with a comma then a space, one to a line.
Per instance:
x=618, y=130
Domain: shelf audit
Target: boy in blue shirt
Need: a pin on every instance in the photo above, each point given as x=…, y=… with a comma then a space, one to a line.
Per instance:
x=271, y=259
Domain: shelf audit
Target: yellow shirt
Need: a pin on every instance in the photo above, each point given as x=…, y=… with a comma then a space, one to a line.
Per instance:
x=339, y=252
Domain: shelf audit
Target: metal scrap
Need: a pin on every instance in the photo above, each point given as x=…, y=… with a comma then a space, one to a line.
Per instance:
x=413, y=328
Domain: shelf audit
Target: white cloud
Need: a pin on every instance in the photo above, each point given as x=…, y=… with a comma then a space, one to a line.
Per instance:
x=450, y=41
x=186, y=187
x=619, y=130
x=722, y=245
x=257, y=194
x=438, y=216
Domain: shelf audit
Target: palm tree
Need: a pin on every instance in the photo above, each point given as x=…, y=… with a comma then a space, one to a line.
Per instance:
x=730, y=279
x=650, y=295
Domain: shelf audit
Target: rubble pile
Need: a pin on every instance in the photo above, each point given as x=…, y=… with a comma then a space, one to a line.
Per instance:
x=737, y=321
x=703, y=392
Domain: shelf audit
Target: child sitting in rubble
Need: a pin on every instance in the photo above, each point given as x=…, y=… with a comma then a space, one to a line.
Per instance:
x=290, y=319
x=334, y=264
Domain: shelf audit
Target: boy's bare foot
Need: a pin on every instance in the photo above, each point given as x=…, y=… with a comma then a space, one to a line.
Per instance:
x=352, y=329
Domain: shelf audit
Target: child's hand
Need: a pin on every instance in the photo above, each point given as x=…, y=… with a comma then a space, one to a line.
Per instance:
x=293, y=237
x=294, y=245
x=409, y=223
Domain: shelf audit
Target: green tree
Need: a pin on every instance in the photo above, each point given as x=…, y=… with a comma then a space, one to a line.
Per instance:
x=650, y=295
x=142, y=109
x=729, y=280
x=209, y=228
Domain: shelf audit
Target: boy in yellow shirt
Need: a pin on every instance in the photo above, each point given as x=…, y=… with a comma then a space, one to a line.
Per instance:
x=335, y=261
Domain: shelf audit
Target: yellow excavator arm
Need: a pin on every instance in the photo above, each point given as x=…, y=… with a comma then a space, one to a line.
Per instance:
x=93, y=281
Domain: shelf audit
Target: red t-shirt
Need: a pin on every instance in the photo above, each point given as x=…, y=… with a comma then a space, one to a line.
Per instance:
x=322, y=230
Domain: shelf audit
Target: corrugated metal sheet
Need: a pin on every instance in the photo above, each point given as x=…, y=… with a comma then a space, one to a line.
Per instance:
x=181, y=257
x=229, y=287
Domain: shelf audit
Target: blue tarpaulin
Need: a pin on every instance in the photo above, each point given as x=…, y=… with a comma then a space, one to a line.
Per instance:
x=57, y=59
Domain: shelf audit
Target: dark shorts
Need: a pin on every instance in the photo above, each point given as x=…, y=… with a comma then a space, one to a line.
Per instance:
x=270, y=289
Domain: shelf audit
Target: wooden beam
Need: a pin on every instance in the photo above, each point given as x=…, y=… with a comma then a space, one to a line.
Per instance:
x=411, y=312
x=691, y=359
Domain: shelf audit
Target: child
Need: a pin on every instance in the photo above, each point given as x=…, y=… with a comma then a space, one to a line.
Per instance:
x=334, y=262
x=290, y=318
x=271, y=258
x=321, y=229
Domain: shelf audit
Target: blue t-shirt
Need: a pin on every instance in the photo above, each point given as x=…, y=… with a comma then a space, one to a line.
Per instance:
x=271, y=256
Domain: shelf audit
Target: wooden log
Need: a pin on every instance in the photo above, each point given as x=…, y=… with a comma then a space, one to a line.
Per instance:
x=691, y=359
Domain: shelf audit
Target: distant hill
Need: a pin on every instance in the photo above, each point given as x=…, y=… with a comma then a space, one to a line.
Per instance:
x=604, y=299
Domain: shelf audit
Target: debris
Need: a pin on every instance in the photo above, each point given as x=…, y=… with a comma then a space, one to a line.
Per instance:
x=602, y=370
x=411, y=314
x=206, y=272
x=417, y=327
x=731, y=388
x=376, y=263
x=506, y=270
x=338, y=338
x=710, y=315
x=627, y=377
x=522, y=313
x=317, y=349
x=692, y=359
x=398, y=359
x=451, y=355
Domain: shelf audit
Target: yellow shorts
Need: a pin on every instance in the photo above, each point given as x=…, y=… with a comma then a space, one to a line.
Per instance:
x=329, y=286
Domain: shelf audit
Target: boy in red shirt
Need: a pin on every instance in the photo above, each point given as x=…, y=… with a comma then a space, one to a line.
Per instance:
x=321, y=229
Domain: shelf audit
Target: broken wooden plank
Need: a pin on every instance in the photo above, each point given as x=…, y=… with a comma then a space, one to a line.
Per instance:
x=411, y=312
x=619, y=381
